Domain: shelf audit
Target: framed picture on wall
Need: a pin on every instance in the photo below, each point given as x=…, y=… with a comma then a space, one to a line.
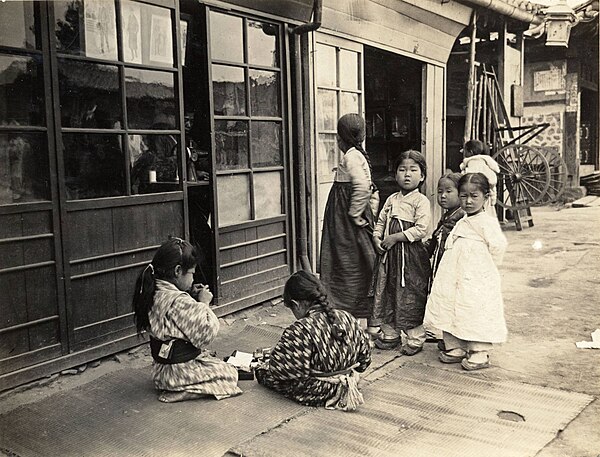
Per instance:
x=376, y=124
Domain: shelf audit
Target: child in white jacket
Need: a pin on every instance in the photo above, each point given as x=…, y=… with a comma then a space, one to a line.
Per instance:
x=477, y=160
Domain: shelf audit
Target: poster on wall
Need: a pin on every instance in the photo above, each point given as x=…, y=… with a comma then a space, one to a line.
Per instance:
x=100, y=29
x=161, y=44
x=131, y=29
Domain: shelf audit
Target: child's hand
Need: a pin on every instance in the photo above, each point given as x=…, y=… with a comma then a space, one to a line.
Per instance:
x=388, y=242
x=201, y=293
x=377, y=244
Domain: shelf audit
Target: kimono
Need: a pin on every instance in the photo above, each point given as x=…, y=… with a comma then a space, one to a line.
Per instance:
x=308, y=350
x=175, y=314
x=347, y=252
x=401, y=276
x=466, y=299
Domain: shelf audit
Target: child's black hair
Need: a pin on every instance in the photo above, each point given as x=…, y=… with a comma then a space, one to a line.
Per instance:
x=305, y=286
x=453, y=176
x=171, y=253
x=351, y=128
x=415, y=155
x=475, y=148
x=477, y=179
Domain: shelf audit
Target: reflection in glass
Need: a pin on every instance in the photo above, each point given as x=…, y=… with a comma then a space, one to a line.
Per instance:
x=98, y=38
x=151, y=102
x=154, y=161
x=226, y=42
x=229, y=90
x=231, y=145
x=267, y=194
x=24, y=175
x=349, y=66
x=262, y=44
x=266, y=144
x=327, y=110
x=349, y=103
x=21, y=91
x=264, y=93
x=89, y=95
x=327, y=155
x=93, y=165
x=233, y=199
x=326, y=65
x=19, y=25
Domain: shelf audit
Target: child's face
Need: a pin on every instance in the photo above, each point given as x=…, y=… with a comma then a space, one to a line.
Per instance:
x=184, y=279
x=471, y=198
x=409, y=175
x=447, y=194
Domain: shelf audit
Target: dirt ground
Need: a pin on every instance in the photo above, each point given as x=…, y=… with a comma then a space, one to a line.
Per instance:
x=551, y=286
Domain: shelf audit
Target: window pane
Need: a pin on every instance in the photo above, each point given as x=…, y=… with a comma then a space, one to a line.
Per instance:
x=328, y=156
x=229, y=90
x=326, y=65
x=94, y=165
x=349, y=103
x=21, y=91
x=267, y=194
x=266, y=144
x=147, y=34
x=349, y=66
x=233, y=199
x=226, y=42
x=154, y=163
x=89, y=95
x=151, y=101
x=231, y=144
x=327, y=110
x=19, y=25
x=262, y=44
x=24, y=175
x=264, y=93
x=87, y=29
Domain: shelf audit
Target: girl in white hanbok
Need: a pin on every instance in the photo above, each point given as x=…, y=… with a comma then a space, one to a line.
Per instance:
x=466, y=299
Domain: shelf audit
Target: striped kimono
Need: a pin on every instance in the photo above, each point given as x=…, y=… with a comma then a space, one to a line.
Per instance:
x=175, y=314
x=307, y=350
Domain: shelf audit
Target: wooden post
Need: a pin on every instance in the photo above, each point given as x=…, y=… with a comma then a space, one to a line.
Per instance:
x=471, y=82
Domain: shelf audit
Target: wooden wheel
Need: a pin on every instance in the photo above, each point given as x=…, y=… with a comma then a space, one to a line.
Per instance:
x=524, y=176
x=558, y=176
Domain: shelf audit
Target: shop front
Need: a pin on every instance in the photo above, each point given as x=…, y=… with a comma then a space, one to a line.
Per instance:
x=123, y=123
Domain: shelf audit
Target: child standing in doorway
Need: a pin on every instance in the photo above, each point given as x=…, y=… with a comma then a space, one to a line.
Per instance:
x=477, y=160
x=177, y=317
x=466, y=299
x=401, y=275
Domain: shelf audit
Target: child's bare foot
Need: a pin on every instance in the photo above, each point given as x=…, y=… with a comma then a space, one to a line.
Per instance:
x=172, y=397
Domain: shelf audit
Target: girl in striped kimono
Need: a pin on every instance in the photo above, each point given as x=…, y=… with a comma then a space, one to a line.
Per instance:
x=176, y=315
x=317, y=360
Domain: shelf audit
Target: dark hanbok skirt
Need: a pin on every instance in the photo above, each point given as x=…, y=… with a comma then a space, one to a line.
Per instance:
x=400, y=283
x=347, y=254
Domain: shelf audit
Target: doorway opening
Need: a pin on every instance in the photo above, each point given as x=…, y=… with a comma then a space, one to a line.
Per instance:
x=393, y=95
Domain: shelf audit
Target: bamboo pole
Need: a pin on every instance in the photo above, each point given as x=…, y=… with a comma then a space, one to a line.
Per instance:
x=471, y=82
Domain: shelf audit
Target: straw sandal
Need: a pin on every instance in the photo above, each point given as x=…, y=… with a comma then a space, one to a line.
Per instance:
x=409, y=350
x=446, y=357
x=472, y=366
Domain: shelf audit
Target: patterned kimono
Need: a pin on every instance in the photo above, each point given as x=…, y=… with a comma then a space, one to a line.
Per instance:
x=175, y=314
x=308, y=349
